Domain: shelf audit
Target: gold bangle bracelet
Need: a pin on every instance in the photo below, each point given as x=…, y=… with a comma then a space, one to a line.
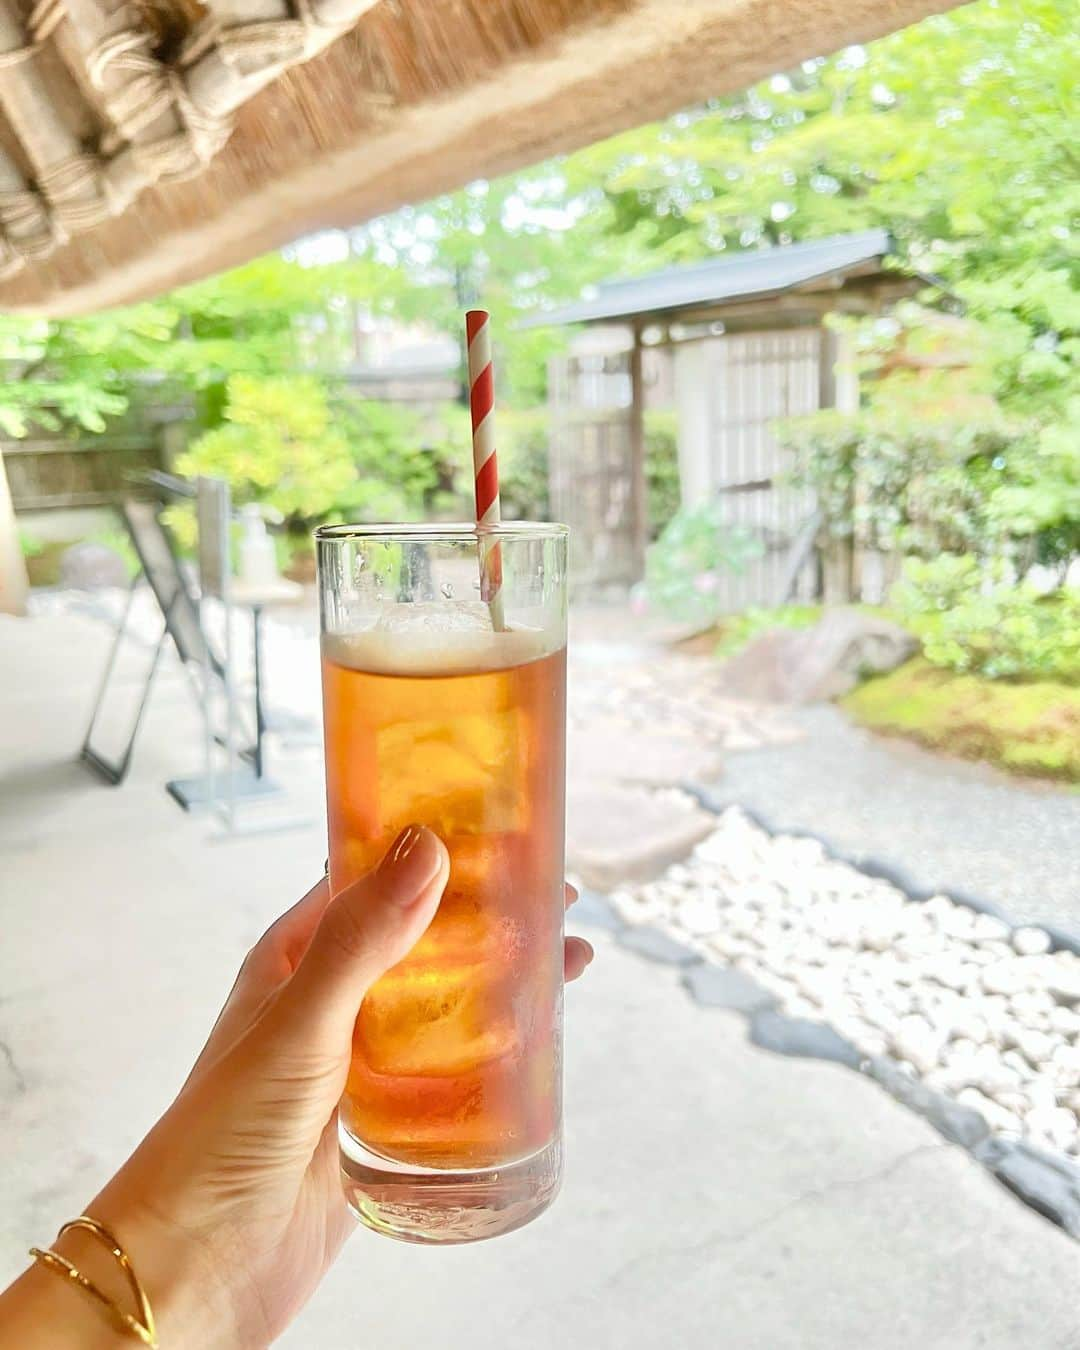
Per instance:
x=142, y=1326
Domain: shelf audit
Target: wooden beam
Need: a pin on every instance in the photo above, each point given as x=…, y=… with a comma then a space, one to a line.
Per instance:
x=639, y=501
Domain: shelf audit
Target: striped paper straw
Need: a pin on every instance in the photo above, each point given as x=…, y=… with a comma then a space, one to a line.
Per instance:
x=485, y=462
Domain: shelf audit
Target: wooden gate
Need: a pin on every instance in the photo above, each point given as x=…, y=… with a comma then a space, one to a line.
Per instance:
x=591, y=467
x=753, y=379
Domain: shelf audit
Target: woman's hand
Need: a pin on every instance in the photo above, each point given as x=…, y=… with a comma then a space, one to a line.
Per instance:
x=231, y=1209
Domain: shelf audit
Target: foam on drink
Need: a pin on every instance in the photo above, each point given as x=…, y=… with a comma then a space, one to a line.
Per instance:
x=437, y=639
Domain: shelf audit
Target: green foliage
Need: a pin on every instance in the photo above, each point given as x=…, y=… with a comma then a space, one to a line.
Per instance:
x=971, y=620
x=742, y=628
x=270, y=316
x=278, y=445
x=1041, y=498
x=935, y=586
x=395, y=464
x=523, y=462
x=662, y=486
x=958, y=133
x=684, y=566
x=1031, y=728
x=917, y=485
x=824, y=454
x=30, y=545
x=119, y=541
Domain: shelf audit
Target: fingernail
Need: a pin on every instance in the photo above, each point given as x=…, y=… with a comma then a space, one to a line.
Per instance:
x=411, y=864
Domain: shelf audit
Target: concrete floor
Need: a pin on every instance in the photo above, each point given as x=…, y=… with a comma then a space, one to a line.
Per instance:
x=715, y=1195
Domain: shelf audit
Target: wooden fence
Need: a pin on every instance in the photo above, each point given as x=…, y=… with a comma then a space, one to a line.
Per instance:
x=54, y=474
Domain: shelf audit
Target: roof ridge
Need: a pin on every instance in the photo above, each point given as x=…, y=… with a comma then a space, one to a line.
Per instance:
x=736, y=256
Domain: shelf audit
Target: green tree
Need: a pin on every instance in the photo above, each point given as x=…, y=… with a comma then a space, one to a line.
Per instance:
x=278, y=445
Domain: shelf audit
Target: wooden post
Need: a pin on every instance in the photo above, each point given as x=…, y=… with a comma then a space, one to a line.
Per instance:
x=13, y=582
x=639, y=514
x=692, y=426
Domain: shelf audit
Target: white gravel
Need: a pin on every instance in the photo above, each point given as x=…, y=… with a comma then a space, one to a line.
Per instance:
x=984, y=1013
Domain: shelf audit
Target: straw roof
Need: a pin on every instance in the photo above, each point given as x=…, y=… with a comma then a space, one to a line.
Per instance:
x=144, y=143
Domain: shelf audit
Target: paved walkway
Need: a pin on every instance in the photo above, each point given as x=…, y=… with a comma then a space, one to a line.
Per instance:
x=715, y=1194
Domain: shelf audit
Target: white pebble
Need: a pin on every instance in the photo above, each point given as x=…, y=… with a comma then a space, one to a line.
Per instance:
x=1064, y=1021
x=1064, y=982
x=997, y=1117
x=1031, y=941
x=987, y=928
x=1057, y=1125
x=1004, y=977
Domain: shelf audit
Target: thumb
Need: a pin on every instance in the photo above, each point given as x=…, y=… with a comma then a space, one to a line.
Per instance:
x=364, y=931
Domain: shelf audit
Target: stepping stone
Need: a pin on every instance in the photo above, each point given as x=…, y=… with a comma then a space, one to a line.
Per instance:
x=725, y=987
x=604, y=751
x=959, y=1124
x=1047, y=1183
x=799, y=1036
x=621, y=834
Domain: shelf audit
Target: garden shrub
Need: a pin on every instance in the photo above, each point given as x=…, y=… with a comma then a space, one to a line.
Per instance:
x=971, y=620
x=683, y=567
x=523, y=462
x=903, y=484
x=278, y=445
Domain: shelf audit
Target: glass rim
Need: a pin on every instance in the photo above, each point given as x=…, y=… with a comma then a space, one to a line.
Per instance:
x=441, y=532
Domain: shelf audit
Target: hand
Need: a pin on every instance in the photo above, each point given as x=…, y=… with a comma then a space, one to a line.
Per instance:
x=231, y=1209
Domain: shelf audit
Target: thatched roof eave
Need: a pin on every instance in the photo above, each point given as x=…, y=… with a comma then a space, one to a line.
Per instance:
x=328, y=112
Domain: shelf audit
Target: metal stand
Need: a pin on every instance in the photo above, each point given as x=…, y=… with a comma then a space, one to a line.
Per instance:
x=211, y=668
x=222, y=790
x=115, y=771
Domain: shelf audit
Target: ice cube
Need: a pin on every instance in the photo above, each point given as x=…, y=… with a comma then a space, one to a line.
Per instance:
x=435, y=1021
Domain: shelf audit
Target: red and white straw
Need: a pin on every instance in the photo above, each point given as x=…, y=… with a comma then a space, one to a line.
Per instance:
x=485, y=461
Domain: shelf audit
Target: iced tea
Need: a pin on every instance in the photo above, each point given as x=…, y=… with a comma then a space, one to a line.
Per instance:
x=432, y=717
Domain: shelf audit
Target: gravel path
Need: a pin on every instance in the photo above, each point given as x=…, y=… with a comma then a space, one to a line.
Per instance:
x=947, y=825
x=978, y=1012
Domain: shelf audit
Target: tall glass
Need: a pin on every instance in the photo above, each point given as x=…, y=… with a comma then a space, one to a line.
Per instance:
x=450, y=1126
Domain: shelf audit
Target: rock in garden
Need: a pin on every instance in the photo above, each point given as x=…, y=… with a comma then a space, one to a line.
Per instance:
x=87, y=567
x=818, y=663
x=1031, y=941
